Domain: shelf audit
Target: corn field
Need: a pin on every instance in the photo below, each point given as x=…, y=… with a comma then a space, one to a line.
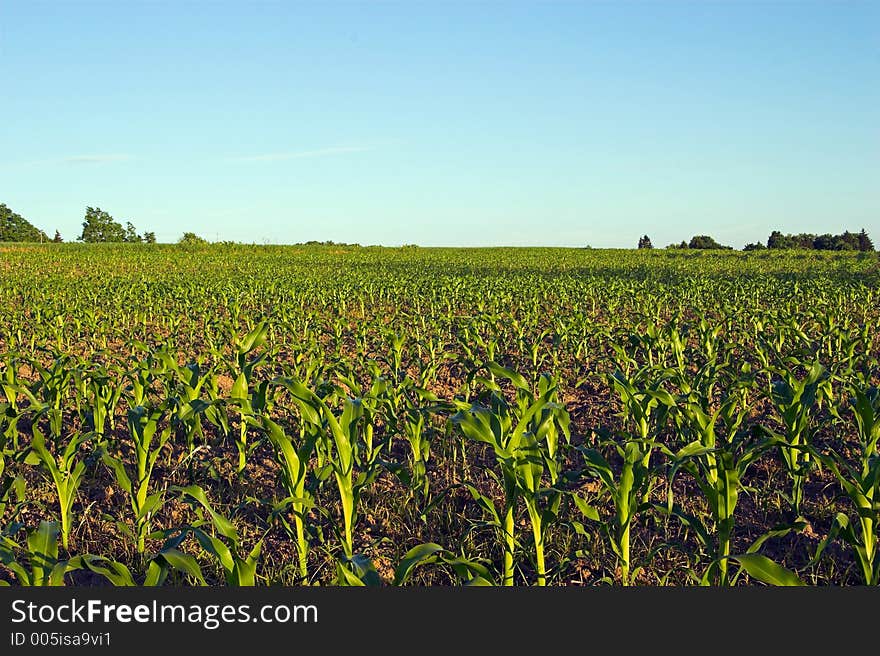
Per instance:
x=331, y=415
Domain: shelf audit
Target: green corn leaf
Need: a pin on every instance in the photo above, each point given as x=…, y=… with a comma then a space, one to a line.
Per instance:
x=239, y=391
x=255, y=338
x=586, y=509
x=423, y=553
x=763, y=569
x=115, y=572
x=43, y=547
x=225, y=527
x=181, y=562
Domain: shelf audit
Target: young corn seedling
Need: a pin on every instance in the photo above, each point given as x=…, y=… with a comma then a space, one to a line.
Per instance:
x=861, y=485
x=161, y=565
x=240, y=395
x=796, y=401
x=185, y=400
x=344, y=433
x=238, y=569
x=381, y=397
x=294, y=462
x=646, y=407
x=10, y=411
x=341, y=439
x=360, y=571
x=627, y=491
x=66, y=472
x=42, y=566
x=719, y=473
x=10, y=484
x=518, y=435
x=103, y=394
x=52, y=390
x=406, y=412
x=142, y=427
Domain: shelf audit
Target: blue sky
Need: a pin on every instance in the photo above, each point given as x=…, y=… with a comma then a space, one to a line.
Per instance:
x=444, y=123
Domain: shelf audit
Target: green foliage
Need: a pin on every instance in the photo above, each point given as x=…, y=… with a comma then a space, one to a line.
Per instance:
x=13, y=227
x=705, y=242
x=375, y=416
x=846, y=241
x=191, y=239
x=99, y=226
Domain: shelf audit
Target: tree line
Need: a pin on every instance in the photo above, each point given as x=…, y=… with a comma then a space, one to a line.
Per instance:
x=846, y=241
x=98, y=226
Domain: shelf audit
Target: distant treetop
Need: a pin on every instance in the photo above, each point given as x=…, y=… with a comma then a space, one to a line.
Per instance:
x=13, y=227
x=191, y=239
x=701, y=242
x=846, y=241
x=99, y=226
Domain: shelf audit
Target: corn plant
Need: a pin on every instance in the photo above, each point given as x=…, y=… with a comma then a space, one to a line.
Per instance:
x=294, y=462
x=103, y=396
x=341, y=437
x=861, y=485
x=719, y=472
x=408, y=410
x=517, y=434
x=645, y=406
x=186, y=404
x=240, y=395
x=66, y=472
x=143, y=424
x=52, y=390
x=9, y=410
x=41, y=566
x=627, y=491
x=238, y=569
x=360, y=571
x=796, y=401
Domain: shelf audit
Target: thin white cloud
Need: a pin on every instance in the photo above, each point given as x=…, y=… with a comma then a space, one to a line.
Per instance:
x=73, y=160
x=300, y=154
x=93, y=159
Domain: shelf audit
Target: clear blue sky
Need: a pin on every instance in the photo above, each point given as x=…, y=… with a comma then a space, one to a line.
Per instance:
x=441, y=123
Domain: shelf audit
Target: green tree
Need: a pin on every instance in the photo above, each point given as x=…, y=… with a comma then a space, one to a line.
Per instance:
x=645, y=242
x=131, y=234
x=778, y=240
x=191, y=239
x=704, y=242
x=99, y=226
x=149, y=238
x=57, y=238
x=865, y=243
x=826, y=242
x=13, y=227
